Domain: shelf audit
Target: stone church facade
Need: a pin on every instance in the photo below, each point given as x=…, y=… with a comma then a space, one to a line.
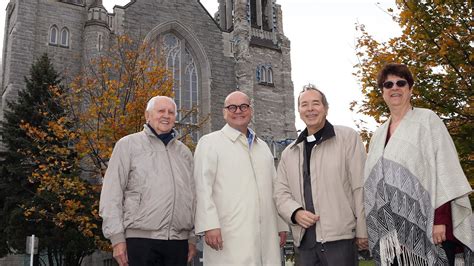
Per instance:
x=242, y=47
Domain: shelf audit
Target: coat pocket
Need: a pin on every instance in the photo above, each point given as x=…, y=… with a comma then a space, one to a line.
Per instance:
x=297, y=232
x=131, y=205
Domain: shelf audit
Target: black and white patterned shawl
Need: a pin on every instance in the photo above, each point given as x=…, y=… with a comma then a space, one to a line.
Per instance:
x=405, y=181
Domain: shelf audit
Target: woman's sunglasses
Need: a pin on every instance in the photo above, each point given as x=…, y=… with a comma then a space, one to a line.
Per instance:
x=400, y=83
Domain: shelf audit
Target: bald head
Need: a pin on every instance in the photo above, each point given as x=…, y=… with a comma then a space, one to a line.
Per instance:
x=236, y=95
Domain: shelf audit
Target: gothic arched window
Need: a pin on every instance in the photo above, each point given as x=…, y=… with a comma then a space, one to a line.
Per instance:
x=189, y=95
x=182, y=64
x=266, y=15
x=260, y=14
x=253, y=13
x=65, y=37
x=100, y=42
x=53, y=35
x=263, y=74
x=270, y=75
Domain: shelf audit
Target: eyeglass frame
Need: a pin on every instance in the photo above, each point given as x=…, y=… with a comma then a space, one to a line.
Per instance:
x=246, y=106
x=400, y=83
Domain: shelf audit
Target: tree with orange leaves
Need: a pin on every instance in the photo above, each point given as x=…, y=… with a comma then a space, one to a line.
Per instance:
x=39, y=174
x=108, y=100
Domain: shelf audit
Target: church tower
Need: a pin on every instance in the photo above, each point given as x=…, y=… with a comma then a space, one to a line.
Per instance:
x=96, y=29
x=263, y=67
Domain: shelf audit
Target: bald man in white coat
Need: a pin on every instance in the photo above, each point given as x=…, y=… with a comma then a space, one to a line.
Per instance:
x=234, y=172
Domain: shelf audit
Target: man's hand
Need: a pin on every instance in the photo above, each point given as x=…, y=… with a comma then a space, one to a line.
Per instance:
x=214, y=239
x=305, y=218
x=191, y=252
x=120, y=253
x=362, y=243
x=282, y=238
x=439, y=233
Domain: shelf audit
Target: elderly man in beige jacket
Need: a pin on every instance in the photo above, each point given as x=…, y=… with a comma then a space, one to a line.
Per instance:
x=319, y=188
x=234, y=174
x=147, y=200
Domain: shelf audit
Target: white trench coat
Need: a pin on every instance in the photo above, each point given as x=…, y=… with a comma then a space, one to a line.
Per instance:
x=234, y=193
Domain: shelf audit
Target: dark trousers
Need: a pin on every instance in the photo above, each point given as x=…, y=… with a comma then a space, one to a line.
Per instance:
x=450, y=250
x=153, y=252
x=334, y=253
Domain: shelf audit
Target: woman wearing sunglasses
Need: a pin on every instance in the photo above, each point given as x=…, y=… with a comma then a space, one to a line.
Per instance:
x=416, y=194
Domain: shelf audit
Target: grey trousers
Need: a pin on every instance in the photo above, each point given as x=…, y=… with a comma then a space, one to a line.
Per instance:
x=335, y=253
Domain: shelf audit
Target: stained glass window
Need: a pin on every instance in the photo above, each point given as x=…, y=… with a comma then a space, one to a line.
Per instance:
x=181, y=63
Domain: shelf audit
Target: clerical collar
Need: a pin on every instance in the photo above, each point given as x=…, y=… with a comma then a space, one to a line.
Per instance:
x=311, y=138
x=324, y=134
x=316, y=136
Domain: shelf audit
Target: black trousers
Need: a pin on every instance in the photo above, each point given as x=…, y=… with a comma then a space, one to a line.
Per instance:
x=450, y=249
x=334, y=253
x=153, y=252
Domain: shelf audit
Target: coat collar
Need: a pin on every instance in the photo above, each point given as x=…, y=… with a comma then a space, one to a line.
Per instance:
x=233, y=134
x=148, y=131
x=328, y=132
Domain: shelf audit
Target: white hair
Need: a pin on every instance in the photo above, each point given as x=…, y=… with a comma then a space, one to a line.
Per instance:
x=151, y=102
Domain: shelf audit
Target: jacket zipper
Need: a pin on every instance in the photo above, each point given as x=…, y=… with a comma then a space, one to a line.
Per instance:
x=301, y=191
x=320, y=223
x=174, y=193
x=302, y=199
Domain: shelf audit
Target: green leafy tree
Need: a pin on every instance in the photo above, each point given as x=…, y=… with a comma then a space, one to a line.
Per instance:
x=436, y=44
x=36, y=108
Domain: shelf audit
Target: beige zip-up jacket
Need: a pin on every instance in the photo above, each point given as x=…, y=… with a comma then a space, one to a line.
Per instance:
x=148, y=190
x=336, y=168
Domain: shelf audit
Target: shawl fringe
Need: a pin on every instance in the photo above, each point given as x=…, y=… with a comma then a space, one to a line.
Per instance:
x=390, y=249
x=459, y=260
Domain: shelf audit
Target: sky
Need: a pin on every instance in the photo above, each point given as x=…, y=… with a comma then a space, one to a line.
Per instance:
x=323, y=38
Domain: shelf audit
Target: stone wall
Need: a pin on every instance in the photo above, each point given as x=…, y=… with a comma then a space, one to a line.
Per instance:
x=27, y=38
x=19, y=46
x=273, y=103
x=66, y=60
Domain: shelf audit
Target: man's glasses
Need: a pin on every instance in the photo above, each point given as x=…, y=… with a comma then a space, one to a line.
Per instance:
x=233, y=108
x=400, y=83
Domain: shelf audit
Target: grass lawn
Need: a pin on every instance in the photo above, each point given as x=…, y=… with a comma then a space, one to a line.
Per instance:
x=366, y=263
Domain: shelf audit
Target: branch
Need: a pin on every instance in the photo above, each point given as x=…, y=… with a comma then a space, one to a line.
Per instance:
x=428, y=33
